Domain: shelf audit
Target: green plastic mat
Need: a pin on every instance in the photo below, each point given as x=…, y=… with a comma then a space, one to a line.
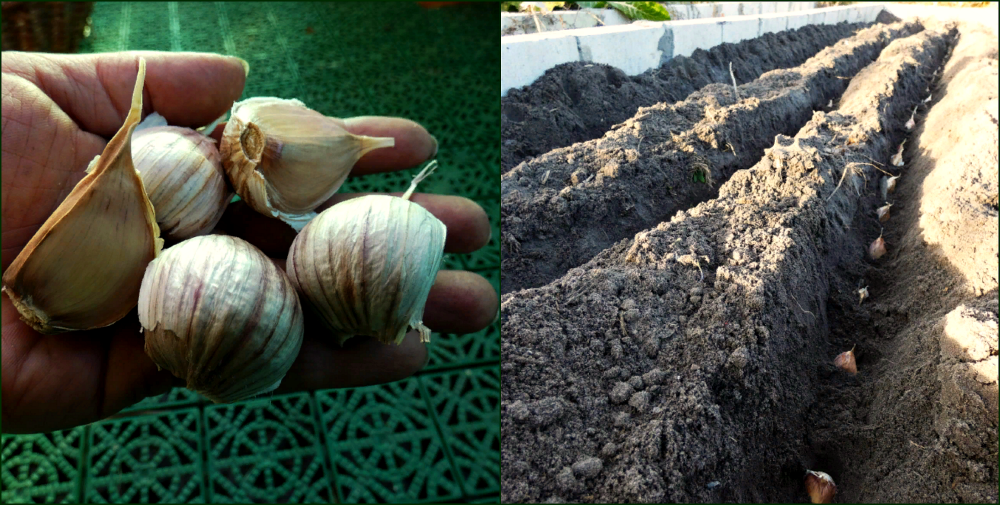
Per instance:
x=434, y=437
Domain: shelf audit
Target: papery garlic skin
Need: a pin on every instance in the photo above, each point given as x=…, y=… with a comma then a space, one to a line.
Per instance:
x=219, y=314
x=366, y=266
x=83, y=268
x=285, y=159
x=182, y=172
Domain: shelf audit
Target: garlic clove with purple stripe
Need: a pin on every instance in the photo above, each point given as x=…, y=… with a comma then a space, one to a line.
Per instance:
x=366, y=266
x=219, y=314
x=182, y=172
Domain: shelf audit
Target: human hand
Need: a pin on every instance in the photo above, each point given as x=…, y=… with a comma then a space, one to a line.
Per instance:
x=58, y=113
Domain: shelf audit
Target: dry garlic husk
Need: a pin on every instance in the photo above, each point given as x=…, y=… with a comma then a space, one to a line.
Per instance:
x=846, y=362
x=820, y=487
x=83, y=267
x=862, y=294
x=367, y=265
x=219, y=314
x=182, y=172
x=285, y=159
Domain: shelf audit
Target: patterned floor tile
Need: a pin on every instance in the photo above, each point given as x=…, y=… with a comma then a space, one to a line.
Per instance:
x=384, y=446
x=266, y=450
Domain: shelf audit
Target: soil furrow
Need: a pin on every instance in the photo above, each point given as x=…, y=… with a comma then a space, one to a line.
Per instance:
x=927, y=337
x=681, y=365
x=562, y=208
x=579, y=101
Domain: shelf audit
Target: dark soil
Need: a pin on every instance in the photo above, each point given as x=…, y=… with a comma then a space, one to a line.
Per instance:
x=693, y=362
x=579, y=101
x=560, y=209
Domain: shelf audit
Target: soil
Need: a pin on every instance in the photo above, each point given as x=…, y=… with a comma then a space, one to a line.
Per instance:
x=694, y=360
x=560, y=209
x=580, y=101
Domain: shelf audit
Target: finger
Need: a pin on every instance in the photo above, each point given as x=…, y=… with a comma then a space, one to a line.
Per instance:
x=460, y=302
x=467, y=223
x=414, y=145
x=188, y=89
x=363, y=361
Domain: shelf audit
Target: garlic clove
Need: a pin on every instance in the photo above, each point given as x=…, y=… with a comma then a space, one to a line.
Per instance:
x=820, y=487
x=877, y=248
x=285, y=159
x=218, y=313
x=897, y=159
x=84, y=266
x=863, y=293
x=888, y=186
x=845, y=360
x=883, y=212
x=182, y=172
x=366, y=266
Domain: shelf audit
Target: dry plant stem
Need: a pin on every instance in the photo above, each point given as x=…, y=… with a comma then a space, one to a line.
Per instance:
x=736, y=91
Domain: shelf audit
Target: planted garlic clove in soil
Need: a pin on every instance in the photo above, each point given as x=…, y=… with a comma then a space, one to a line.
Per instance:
x=845, y=360
x=820, y=487
x=84, y=266
x=285, y=159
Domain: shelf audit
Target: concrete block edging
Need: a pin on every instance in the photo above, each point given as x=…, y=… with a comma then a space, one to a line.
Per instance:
x=637, y=47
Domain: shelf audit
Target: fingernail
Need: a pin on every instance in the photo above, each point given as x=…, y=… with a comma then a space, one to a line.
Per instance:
x=246, y=66
x=433, y=154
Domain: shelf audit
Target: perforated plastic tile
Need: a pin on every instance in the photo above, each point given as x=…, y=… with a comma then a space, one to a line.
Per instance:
x=266, y=450
x=177, y=397
x=451, y=351
x=384, y=446
x=42, y=468
x=146, y=459
x=466, y=404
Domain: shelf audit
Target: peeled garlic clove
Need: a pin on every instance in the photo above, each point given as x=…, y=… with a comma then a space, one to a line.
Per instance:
x=84, y=266
x=219, y=314
x=820, y=487
x=877, y=248
x=883, y=212
x=367, y=265
x=285, y=159
x=845, y=360
x=182, y=172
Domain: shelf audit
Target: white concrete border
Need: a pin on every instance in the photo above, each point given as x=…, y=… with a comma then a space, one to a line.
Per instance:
x=640, y=46
x=522, y=23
